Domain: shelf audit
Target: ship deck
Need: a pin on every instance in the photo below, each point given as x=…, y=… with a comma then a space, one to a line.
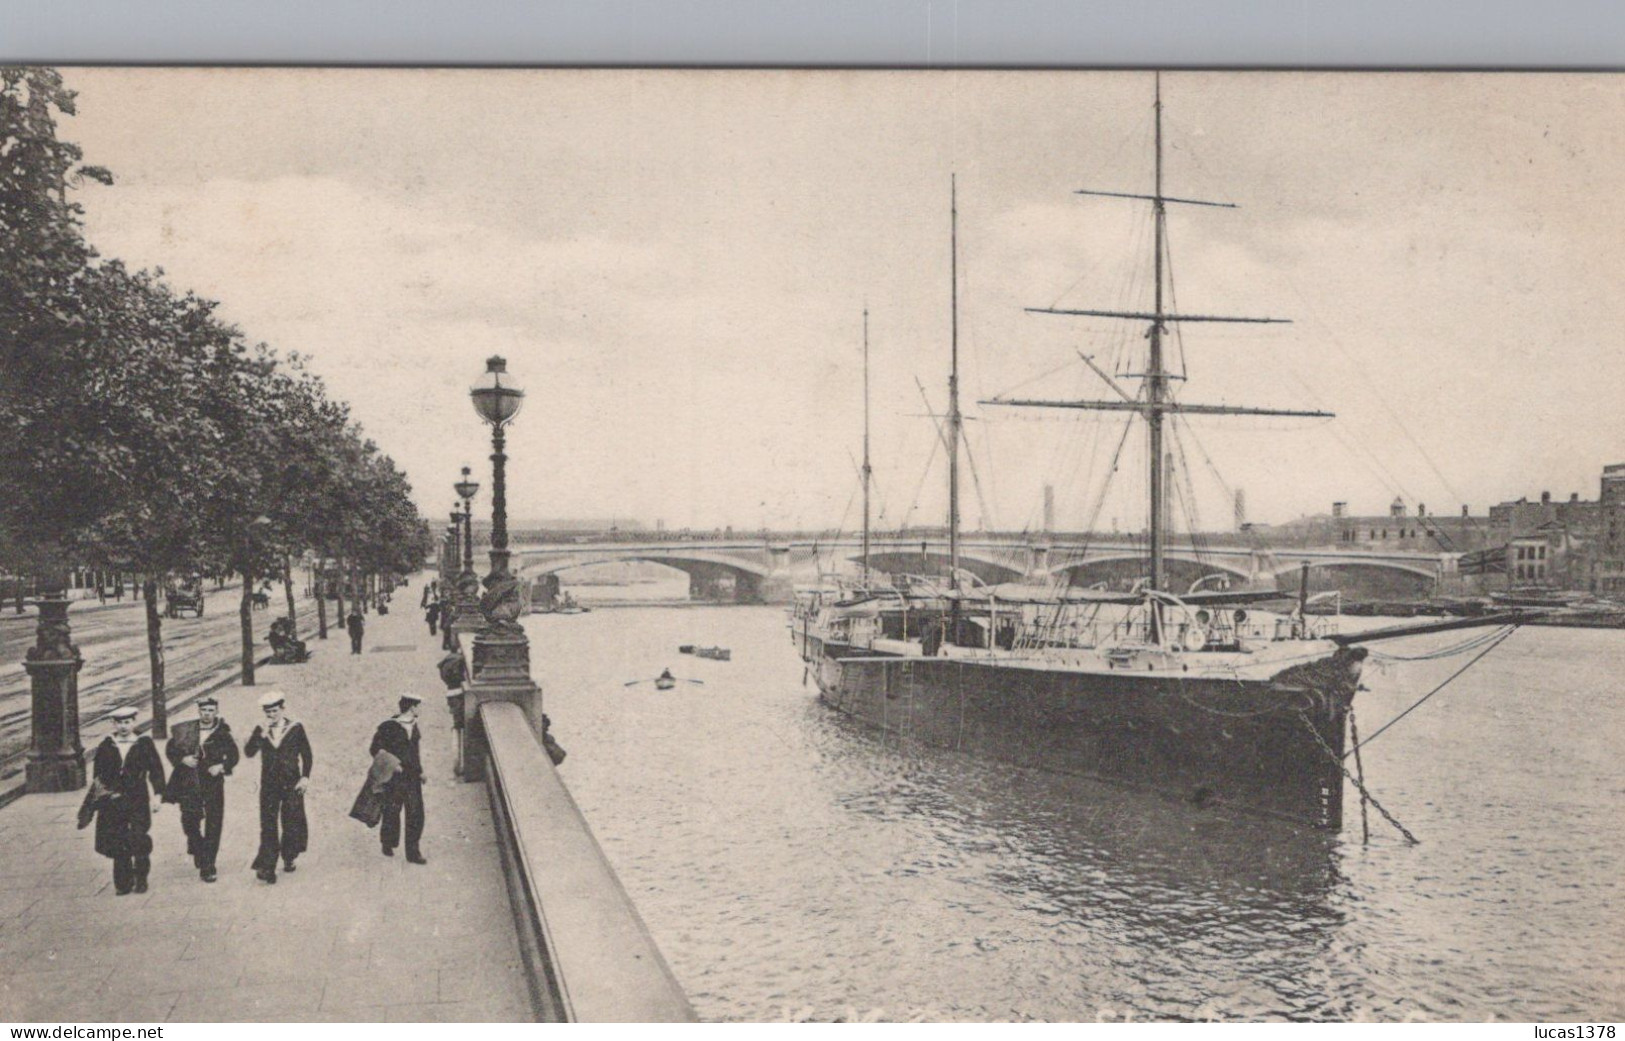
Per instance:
x=1254, y=662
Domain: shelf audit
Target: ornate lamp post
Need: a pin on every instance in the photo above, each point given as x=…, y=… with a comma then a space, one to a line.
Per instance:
x=466, y=490
x=468, y=618
x=498, y=400
x=449, y=542
x=56, y=758
x=501, y=665
x=451, y=565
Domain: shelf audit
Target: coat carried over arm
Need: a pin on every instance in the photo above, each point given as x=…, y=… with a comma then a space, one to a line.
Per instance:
x=219, y=748
x=125, y=817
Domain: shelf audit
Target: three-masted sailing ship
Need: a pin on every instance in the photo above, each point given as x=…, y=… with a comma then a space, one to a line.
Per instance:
x=1202, y=696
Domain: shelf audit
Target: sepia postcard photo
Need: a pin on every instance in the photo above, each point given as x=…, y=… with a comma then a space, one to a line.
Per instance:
x=725, y=545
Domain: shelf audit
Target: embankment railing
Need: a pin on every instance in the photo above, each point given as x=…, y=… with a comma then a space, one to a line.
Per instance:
x=590, y=957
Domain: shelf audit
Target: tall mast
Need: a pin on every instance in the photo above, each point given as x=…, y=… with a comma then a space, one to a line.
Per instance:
x=1154, y=401
x=866, y=470
x=954, y=421
x=1156, y=379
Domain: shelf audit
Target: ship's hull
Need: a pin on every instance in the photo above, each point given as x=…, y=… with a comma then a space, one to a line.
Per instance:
x=1270, y=746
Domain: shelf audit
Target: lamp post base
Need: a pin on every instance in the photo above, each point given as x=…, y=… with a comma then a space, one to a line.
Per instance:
x=56, y=773
x=501, y=672
x=56, y=758
x=466, y=618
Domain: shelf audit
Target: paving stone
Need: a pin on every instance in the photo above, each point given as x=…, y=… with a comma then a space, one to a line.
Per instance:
x=129, y=1009
x=372, y=987
x=422, y=1012
x=169, y=973
x=34, y=995
x=82, y=951
x=276, y=1003
x=480, y=982
x=303, y=964
x=15, y=902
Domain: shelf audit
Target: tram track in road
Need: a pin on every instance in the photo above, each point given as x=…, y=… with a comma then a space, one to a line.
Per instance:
x=198, y=658
x=90, y=628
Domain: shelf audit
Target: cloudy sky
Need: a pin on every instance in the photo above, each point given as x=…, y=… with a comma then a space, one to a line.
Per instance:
x=676, y=264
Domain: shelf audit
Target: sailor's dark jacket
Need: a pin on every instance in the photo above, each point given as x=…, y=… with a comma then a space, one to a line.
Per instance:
x=125, y=817
x=392, y=737
x=283, y=765
x=186, y=783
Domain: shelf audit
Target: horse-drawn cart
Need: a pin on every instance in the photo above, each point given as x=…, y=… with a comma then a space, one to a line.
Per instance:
x=185, y=595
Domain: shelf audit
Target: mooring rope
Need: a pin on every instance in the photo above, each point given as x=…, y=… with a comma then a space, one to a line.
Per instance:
x=1496, y=642
x=1447, y=652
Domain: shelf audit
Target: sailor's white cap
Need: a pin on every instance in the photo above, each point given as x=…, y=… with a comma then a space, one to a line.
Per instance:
x=123, y=712
x=409, y=696
x=272, y=697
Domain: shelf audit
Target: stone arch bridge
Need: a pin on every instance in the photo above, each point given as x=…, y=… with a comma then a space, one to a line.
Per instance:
x=767, y=570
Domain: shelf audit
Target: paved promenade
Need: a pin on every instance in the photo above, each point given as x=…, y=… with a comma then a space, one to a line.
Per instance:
x=351, y=936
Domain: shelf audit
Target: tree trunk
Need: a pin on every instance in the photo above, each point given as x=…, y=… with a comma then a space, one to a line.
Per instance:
x=321, y=600
x=245, y=607
x=287, y=588
x=338, y=588
x=155, y=658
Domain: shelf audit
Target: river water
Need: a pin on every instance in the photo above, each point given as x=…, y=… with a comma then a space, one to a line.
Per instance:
x=794, y=865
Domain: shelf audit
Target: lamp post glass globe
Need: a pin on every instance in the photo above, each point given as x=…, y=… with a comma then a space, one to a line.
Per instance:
x=496, y=398
x=466, y=489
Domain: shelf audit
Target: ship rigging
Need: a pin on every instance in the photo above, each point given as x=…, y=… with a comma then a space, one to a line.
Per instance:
x=1201, y=696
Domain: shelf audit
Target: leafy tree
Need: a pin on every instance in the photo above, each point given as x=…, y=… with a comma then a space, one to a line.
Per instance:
x=155, y=438
x=153, y=352
x=43, y=260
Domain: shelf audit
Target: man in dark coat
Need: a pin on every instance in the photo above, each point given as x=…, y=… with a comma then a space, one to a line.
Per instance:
x=284, y=776
x=398, y=736
x=356, y=625
x=454, y=674
x=202, y=754
x=432, y=616
x=124, y=765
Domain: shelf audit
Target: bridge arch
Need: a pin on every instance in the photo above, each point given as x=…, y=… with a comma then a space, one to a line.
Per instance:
x=1373, y=579
x=910, y=561
x=527, y=564
x=1124, y=568
x=711, y=576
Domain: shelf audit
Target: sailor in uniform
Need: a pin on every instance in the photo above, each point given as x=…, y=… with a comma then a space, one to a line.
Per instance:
x=124, y=765
x=202, y=754
x=398, y=736
x=284, y=776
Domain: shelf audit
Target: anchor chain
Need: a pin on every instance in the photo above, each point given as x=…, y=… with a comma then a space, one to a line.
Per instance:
x=1364, y=793
x=1359, y=770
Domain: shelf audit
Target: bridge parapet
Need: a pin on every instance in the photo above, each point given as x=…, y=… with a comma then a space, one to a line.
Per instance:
x=766, y=568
